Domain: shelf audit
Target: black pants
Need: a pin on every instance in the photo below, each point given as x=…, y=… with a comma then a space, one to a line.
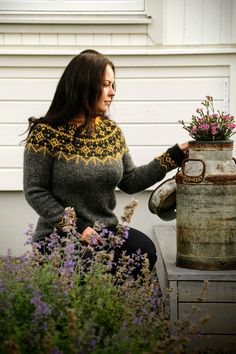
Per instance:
x=136, y=240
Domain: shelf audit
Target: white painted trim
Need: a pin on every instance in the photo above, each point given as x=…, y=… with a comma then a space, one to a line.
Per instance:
x=122, y=51
x=155, y=8
x=74, y=17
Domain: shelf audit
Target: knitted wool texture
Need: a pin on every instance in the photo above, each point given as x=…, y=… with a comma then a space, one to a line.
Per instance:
x=63, y=167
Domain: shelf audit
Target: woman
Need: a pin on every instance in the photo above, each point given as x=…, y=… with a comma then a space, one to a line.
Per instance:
x=75, y=156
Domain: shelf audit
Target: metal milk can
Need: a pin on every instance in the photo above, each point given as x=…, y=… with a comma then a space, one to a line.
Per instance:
x=206, y=207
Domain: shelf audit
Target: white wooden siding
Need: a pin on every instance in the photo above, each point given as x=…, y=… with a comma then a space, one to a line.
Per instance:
x=133, y=38
x=180, y=22
x=151, y=89
x=157, y=85
x=199, y=22
x=149, y=102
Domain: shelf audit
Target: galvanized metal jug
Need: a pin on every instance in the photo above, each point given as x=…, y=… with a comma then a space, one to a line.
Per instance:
x=206, y=207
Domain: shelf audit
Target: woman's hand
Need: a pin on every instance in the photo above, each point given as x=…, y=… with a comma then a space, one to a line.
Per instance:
x=90, y=236
x=184, y=147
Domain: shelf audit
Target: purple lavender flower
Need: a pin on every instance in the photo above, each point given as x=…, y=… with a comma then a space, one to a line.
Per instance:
x=55, y=350
x=125, y=232
x=68, y=266
x=103, y=232
x=1, y=286
x=70, y=248
x=42, y=309
x=30, y=234
x=139, y=320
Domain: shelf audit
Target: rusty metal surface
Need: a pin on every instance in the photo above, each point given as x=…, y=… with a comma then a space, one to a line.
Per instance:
x=206, y=263
x=206, y=207
x=179, y=177
x=206, y=226
x=221, y=178
x=206, y=145
x=162, y=201
x=193, y=178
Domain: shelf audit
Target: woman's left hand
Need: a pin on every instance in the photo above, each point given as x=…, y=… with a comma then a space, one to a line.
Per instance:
x=184, y=147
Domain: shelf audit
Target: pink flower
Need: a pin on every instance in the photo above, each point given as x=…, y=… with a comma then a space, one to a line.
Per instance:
x=193, y=130
x=209, y=125
x=214, y=130
x=204, y=126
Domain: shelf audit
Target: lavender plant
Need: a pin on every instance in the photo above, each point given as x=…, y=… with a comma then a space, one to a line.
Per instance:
x=67, y=300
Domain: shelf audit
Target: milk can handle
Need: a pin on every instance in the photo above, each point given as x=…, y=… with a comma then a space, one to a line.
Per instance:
x=193, y=179
x=234, y=158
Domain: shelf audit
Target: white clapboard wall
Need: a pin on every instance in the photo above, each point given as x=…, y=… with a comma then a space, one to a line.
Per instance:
x=199, y=22
x=149, y=102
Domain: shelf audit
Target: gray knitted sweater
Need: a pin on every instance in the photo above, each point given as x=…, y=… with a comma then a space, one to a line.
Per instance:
x=64, y=168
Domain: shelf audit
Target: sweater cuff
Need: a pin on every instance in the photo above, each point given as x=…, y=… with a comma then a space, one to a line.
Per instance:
x=176, y=154
x=172, y=158
x=82, y=225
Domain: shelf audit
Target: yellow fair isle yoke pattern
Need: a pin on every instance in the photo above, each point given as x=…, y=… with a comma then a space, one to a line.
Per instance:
x=69, y=141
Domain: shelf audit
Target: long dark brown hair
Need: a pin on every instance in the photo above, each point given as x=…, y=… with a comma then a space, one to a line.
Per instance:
x=77, y=92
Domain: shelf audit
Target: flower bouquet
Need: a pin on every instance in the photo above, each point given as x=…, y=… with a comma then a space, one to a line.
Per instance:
x=209, y=125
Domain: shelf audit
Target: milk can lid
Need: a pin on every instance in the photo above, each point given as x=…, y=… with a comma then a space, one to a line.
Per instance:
x=162, y=201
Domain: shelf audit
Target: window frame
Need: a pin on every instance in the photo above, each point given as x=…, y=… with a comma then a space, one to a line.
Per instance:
x=72, y=5
x=108, y=15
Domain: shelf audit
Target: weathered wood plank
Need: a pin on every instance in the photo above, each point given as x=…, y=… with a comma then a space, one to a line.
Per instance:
x=173, y=300
x=161, y=271
x=214, y=343
x=209, y=291
x=219, y=332
x=222, y=316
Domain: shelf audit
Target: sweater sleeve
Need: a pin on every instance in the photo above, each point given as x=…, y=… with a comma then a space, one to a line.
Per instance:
x=136, y=179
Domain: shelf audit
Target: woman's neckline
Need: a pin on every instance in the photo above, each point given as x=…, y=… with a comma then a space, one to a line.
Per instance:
x=79, y=122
